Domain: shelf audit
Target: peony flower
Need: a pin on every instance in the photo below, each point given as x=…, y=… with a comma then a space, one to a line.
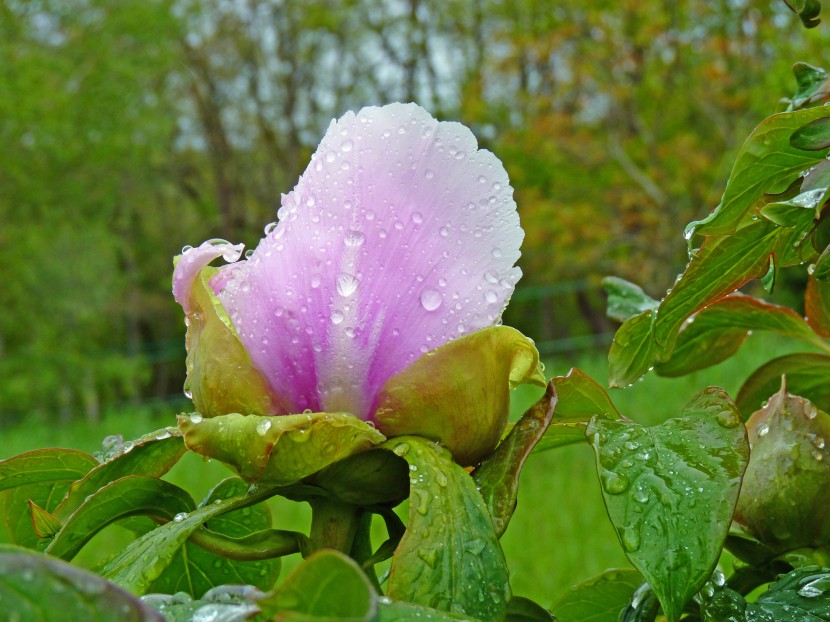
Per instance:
x=378, y=292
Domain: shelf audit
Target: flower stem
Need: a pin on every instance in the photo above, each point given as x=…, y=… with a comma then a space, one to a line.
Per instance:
x=333, y=524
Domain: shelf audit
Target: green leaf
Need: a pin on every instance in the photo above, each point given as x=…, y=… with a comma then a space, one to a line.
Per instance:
x=459, y=393
x=633, y=350
x=326, y=586
x=782, y=500
x=802, y=595
x=497, y=477
x=812, y=136
x=278, y=450
x=716, y=332
x=811, y=85
x=449, y=558
x=151, y=455
x=807, y=10
x=44, y=466
x=397, y=611
x=43, y=477
x=718, y=268
x=821, y=269
x=36, y=587
x=600, y=599
x=671, y=489
x=817, y=306
x=133, y=495
x=143, y=560
x=180, y=608
x=625, y=300
x=766, y=164
x=807, y=375
x=194, y=570
x=521, y=609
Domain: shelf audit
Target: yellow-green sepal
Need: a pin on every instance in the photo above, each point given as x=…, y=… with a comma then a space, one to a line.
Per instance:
x=278, y=451
x=459, y=393
x=221, y=377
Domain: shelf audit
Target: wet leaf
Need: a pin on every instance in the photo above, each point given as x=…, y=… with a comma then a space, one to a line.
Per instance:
x=134, y=495
x=327, y=586
x=449, y=558
x=717, y=332
x=671, y=489
x=633, y=350
x=718, y=268
x=497, y=477
x=599, y=599
x=802, y=595
x=151, y=455
x=807, y=375
x=782, y=501
x=397, y=611
x=42, y=476
x=807, y=10
x=521, y=609
x=37, y=587
x=143, y=560
x=625, y=299
x=278, y=450
x=459, y=393
x=811, y=85
x=817, y=306
x=194, y=570
x=766, y=164
x=812, y=136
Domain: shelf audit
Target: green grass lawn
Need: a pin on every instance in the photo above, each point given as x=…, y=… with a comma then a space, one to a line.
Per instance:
x=560, y=534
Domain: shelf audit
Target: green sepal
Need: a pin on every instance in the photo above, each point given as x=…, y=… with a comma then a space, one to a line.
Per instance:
x=459, y=393
x=278, y=450
x=221, y=377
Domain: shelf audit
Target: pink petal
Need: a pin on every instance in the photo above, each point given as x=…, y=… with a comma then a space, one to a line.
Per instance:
x=399, y=237
x=192, y=260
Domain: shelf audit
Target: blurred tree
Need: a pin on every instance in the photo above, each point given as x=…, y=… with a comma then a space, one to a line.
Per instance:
x=133, y=126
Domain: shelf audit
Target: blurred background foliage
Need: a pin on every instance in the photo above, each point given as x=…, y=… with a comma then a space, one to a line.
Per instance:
x=132, y=127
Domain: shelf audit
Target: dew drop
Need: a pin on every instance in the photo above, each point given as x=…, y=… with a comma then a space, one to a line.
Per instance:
x=263, y=426
x=491, y=297
x=630, y=538
x=180, y=517
x=336, y=317
x=497, y=253
x=346, y=146
x=417, y=218
x=614, y=483
x=431, y=299
x=354, y=238
x=270, y=227
x=444, y=232
x=763, y=429
x=346, y=284
x=315, y=281
x=429, y=173
x=195, y=418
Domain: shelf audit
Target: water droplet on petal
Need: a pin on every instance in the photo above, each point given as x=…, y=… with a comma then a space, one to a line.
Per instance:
x=315, y=281
x=336, y=317
x=417, y=218
x=431, y=299
x=346, y=284
x=354, y=238
x=491, y=297
x=346, y=146
x=763, y=429
x=270, y=227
